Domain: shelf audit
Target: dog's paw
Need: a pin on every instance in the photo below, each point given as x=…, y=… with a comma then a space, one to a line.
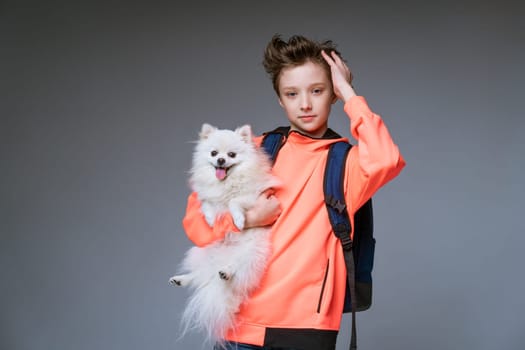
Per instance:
x=175, y=282
x=237, y=213
x=178, y=281
x=238, y=219
x=210, y=219
x=209, y=213
x=224, y=276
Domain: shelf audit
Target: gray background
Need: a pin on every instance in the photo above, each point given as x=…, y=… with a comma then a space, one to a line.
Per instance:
x=100, y=103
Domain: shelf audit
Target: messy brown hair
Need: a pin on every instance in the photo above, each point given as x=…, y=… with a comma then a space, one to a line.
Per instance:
x=280, y=54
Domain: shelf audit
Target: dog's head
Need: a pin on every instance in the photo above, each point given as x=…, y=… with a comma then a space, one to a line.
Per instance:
x=222, y=150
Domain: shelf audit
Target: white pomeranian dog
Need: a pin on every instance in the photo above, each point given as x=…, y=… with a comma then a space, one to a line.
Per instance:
x=228, y=173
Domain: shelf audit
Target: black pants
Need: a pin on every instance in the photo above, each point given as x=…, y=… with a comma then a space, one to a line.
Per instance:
x=239, y=346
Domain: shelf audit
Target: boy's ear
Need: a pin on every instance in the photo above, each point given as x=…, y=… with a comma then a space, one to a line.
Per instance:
x=245, y=132
x=334, y=98
x=206, y=130
x=280, y=102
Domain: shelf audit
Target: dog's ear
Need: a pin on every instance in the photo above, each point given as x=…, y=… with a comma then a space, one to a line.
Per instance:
x=245, y=132
x=206, y=130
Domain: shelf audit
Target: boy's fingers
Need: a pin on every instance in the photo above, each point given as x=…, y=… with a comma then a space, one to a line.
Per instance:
x=269, y=192
x=337, y=59
x=336, y=62
x=327, y=58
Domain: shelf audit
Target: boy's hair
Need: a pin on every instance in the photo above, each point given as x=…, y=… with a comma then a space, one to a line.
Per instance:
x=280, y=54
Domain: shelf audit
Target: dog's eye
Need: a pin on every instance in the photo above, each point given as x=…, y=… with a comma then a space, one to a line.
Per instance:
x=214, y=153
x=232, y=154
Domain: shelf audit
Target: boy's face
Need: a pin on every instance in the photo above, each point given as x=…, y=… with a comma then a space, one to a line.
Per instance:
x=306, y=94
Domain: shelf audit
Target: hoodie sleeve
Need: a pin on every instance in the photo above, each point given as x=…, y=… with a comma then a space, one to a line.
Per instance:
x=375, y=160
x=198, y=230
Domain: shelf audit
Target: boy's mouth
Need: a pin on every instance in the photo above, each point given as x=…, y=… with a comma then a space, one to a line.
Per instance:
x=307, y=118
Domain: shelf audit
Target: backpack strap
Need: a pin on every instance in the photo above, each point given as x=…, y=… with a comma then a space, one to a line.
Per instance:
x=334, y=192
x=273, y=141
x=339, y=218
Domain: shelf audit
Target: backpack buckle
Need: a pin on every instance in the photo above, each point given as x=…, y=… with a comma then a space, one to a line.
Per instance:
x=341, y=232
x=346, y=242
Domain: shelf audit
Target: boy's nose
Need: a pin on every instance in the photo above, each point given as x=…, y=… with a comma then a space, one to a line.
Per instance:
x=306, y=105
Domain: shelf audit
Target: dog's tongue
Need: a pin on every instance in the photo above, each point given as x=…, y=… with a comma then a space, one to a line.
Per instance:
x=220, y=173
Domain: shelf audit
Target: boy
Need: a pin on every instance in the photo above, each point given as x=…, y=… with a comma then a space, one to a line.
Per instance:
x=299, y=302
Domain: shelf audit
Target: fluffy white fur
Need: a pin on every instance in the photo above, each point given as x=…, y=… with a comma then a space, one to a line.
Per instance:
x=228, y=174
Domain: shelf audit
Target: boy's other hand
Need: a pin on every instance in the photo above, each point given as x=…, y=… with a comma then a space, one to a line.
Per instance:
x=264, y=212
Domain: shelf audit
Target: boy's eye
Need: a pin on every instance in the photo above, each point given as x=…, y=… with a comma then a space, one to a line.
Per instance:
x=213, y=153
x=317, y=91
x=232, y=154
x=290, y=94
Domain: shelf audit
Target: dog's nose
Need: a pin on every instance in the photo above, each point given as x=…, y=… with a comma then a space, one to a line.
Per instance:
x=221, y=161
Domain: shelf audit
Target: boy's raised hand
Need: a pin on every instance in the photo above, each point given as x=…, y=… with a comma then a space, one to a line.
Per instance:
x=341, y=76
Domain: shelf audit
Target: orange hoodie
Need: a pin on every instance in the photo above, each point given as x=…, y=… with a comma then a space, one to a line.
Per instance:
x=299, y=301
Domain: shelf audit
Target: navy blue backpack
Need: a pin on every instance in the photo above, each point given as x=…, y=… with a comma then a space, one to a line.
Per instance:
x=359, y=253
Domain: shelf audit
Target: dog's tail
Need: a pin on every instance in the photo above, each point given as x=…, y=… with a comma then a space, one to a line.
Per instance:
x=211, y=309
